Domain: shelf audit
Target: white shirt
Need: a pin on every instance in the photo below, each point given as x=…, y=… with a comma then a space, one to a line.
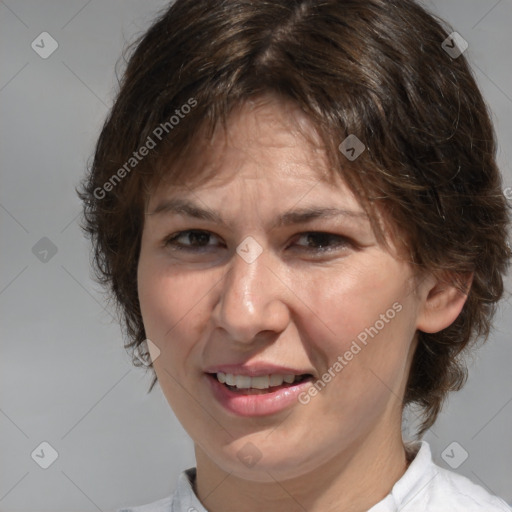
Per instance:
x=424, y=487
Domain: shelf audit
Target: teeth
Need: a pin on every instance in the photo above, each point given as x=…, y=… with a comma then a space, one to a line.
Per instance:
x=242, y=381
x=276, y=380
x=261, y=382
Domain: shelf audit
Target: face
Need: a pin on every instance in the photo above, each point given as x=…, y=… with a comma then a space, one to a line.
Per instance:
x=245, y=276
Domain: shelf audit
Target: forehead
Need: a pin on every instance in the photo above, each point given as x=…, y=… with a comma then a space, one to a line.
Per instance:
x=266, y=139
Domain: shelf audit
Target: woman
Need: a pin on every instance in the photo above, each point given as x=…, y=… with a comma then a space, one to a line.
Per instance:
x=297, y=208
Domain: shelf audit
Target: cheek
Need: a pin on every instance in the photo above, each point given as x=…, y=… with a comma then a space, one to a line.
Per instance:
x=365, y=317
x=170, y=302
x=173, y=311
x=351, y=303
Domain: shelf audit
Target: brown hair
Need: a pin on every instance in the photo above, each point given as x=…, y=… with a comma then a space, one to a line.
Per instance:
x=371, y=68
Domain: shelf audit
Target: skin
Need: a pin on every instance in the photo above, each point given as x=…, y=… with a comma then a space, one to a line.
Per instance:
x=294, y=306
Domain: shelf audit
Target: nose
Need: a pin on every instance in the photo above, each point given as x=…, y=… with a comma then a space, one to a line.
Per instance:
x=253, y=300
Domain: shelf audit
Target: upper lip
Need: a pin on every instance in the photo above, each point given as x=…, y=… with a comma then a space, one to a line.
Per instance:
x=256, y=369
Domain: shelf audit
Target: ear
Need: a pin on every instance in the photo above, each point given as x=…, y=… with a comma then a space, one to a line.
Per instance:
x=442, y=301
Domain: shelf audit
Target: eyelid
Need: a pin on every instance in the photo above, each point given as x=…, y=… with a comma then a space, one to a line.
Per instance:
x=174, y=236
x=342, y=241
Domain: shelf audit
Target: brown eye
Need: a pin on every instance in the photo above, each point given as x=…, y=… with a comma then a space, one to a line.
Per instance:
x=323, y=242
x=197, y=239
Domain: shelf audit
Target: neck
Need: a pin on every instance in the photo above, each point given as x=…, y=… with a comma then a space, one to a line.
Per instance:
x=352, y=481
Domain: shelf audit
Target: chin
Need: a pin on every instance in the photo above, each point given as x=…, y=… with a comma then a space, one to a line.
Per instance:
x=265, y=469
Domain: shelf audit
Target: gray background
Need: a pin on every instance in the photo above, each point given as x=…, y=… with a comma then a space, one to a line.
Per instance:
x=65, y=378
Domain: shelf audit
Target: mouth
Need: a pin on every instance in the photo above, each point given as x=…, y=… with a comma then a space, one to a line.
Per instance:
x=260, y=385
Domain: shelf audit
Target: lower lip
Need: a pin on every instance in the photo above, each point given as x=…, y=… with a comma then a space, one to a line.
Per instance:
x=256, y=405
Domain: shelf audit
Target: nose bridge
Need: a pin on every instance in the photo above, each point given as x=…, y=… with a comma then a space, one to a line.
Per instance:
x=252, y=298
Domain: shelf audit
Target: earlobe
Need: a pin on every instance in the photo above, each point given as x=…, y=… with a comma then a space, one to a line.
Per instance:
x=443, y=303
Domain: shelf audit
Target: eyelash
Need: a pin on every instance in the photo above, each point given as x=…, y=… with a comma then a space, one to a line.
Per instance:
x=170, y=241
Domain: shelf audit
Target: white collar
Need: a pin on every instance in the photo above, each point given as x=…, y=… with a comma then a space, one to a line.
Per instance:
x=417, y=477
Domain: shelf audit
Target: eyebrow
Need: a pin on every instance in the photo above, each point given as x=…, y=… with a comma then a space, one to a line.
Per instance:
x=288, y=218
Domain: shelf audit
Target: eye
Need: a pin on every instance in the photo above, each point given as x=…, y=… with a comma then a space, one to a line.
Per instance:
x=198, y=240
x=320, y=242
